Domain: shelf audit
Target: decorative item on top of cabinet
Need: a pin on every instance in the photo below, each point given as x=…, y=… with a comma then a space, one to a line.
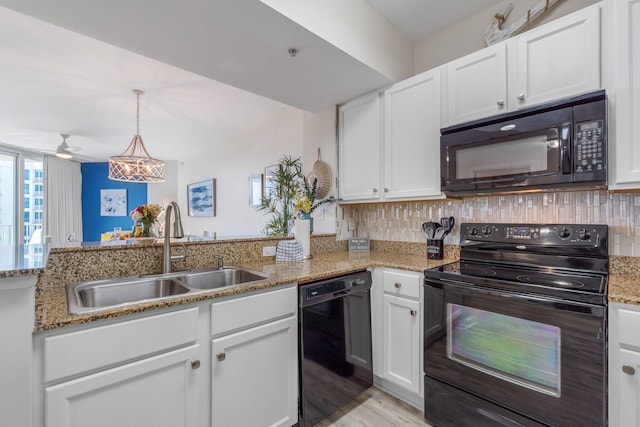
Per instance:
x=495, y=33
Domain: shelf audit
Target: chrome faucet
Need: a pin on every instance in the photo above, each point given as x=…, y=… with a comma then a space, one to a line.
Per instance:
x=178, y=232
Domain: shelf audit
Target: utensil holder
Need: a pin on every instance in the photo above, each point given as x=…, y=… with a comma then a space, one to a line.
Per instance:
x=435, y=248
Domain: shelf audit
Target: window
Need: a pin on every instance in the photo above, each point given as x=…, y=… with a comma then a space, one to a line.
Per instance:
x=17, y=172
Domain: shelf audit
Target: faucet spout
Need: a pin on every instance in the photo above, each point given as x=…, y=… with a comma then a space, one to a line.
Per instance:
x=177, y=232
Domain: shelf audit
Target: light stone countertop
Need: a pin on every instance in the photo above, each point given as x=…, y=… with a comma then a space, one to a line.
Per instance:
x=51, y=310
x=51, y=304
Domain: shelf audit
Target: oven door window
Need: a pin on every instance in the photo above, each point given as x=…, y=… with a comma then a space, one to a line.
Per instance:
x=517, y=350
x=520, y=155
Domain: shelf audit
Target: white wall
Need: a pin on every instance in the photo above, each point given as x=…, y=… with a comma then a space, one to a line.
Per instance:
x=231, y=162
x=320, y=132
x=467, y=36
x=167, y=191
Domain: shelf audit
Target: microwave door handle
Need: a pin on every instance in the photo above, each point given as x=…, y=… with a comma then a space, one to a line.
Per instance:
x=565, y=141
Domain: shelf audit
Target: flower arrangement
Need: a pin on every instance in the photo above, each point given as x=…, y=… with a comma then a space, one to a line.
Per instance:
x=305, y=201
x=147, y=215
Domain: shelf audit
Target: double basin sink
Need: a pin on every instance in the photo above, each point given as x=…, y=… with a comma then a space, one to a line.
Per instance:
x=89, y=297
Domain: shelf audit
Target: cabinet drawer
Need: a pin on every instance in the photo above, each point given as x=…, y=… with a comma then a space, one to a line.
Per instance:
x=629, y=325
x=243, y=312
x=402, y=283
x=95, y=348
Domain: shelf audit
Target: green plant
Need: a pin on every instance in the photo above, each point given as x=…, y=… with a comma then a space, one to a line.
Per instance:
x=280, y=198
x=306, y=198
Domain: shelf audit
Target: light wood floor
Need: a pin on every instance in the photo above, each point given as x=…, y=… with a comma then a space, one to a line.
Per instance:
x=375, y=408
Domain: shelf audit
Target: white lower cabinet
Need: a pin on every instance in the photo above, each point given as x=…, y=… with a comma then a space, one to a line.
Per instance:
x=624, y=365
x=254, y=368
x=397, y=333
x=254, y=376
x=401, y=364
x=229, y=363
x=153, y=392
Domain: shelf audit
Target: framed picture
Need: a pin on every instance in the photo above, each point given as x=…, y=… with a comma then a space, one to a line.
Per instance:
x=113, y=202
x=255, y=189
x=201, y=197
x=269, y=174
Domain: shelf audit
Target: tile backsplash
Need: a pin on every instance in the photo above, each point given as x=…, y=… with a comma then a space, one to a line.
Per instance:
x=402, y=221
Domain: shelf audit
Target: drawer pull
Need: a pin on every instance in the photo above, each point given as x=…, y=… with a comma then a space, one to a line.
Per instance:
x=521, y=96
x=413, y=312
x=221, y=356
x=397, y=285
x=629, y=370
x=500, y=102
x=195, y=364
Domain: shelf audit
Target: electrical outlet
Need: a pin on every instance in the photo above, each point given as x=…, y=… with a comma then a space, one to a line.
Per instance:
x=269, y=251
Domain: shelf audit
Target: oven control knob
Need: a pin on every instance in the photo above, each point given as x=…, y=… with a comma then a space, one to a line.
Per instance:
x=473, y=231
x=486, y=230
x=583, y=234
x=564, y=232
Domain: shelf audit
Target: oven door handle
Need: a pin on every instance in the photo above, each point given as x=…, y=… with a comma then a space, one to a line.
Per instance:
x=573, y=306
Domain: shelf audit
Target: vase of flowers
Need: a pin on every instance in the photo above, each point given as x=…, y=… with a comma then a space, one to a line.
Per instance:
x=147, y=216
x=306, y=201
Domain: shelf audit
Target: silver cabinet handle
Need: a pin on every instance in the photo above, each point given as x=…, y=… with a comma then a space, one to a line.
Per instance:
x=398, y=284
x=375, y=190
x=413, y=312
x=195, y=364
x=521, y=96
x=500, y=102
x=221, y=356
x=629, y=370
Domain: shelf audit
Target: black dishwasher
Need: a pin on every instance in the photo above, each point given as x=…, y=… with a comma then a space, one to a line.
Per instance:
x=335, y=344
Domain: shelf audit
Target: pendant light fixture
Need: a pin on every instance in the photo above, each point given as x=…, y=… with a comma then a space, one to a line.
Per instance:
x=135, y=164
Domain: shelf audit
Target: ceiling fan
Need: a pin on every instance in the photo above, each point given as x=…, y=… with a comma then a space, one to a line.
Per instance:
x=64, y=150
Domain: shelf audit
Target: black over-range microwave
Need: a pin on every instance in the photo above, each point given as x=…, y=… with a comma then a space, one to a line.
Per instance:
x=560, y=145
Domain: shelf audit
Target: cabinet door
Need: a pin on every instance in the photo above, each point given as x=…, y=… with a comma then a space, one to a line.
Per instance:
x=412, y=137
x=255, y=376
x=401, y=348
x=360, y=149
x=557, y=60
x=625, y=171
x=153, y=392
x=629, y=389
x=475, y=86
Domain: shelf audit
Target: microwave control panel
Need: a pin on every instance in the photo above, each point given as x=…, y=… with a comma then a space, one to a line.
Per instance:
x=590, y=148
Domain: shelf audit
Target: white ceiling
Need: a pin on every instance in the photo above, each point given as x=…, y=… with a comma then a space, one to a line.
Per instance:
x=76, y=76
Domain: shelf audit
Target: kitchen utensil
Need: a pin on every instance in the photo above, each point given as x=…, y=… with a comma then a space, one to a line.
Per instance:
x=427, y=229
x=447, y=224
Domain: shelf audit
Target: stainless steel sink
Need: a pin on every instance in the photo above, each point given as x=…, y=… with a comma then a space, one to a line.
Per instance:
x=88, y=297
x=227, y=276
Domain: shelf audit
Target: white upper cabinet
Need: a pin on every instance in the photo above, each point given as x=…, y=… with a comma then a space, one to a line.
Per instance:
x=551, y=62
x=392, y=152
x=360, y=148
x=624, y=131
x=412, y=138
x=555, y=61
x=475, y=86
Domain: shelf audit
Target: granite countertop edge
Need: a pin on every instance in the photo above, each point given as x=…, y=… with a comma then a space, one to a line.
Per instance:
x=51, y=306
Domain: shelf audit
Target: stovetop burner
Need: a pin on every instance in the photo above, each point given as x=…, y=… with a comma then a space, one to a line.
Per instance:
x=548, y=280
x=561, y=261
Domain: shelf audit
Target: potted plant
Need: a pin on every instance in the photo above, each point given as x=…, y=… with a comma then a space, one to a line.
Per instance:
x=279, y=200
x=306, y=201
